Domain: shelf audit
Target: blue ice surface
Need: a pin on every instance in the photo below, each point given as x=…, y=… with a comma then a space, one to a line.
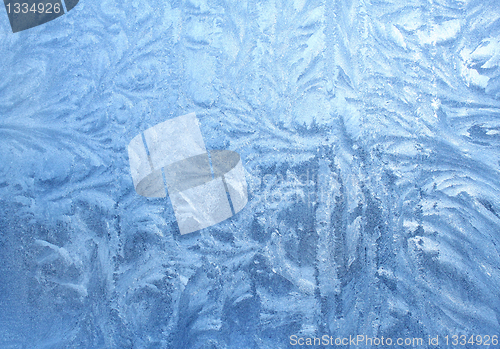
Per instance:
x=370, y=133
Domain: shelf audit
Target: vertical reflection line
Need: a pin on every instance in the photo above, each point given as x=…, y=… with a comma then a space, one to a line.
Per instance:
x=147, y=152
x=64, y=6
x=228, y=196
x=223, y=181
x=164, y=179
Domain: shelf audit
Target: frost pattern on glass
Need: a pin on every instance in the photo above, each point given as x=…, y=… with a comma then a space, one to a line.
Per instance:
x=370, y=133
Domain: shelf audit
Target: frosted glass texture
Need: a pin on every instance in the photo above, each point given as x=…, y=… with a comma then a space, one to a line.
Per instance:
x=369, y=136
